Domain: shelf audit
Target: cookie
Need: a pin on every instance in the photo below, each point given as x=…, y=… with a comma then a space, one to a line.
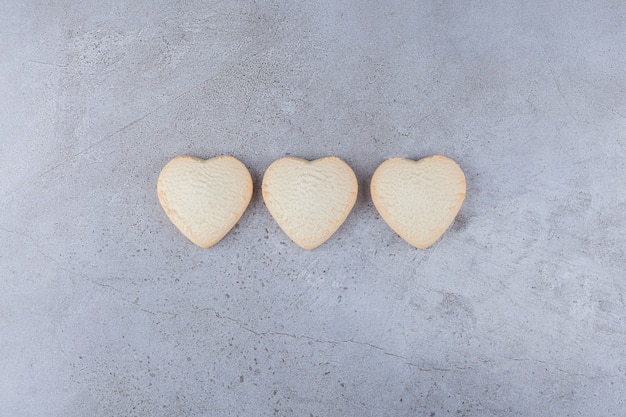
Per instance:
x=204, y=198
x=309, y=199
x=418, y=199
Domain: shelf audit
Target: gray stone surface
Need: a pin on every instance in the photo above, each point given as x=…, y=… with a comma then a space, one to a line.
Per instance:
x=106, y=310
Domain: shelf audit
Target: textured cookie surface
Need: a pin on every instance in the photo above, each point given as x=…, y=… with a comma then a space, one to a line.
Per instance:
x=309, y=200
x=418, y=199
x=204, y=198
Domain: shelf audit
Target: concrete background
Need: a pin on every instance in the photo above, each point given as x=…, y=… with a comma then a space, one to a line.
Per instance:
x=106, y=310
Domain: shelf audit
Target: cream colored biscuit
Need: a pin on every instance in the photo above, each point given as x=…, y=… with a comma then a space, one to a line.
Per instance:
x=309, y=200
x=204, y=198
x=419, y=199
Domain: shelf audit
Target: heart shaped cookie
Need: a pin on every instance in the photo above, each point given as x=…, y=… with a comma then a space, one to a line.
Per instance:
x=418, y=199
x=204, y=198
x=309, y=200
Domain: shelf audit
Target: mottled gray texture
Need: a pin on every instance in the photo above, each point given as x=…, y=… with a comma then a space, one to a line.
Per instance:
x=107, y=310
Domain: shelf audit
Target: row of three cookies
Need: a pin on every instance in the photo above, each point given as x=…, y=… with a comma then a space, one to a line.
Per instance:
x=310, y=200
